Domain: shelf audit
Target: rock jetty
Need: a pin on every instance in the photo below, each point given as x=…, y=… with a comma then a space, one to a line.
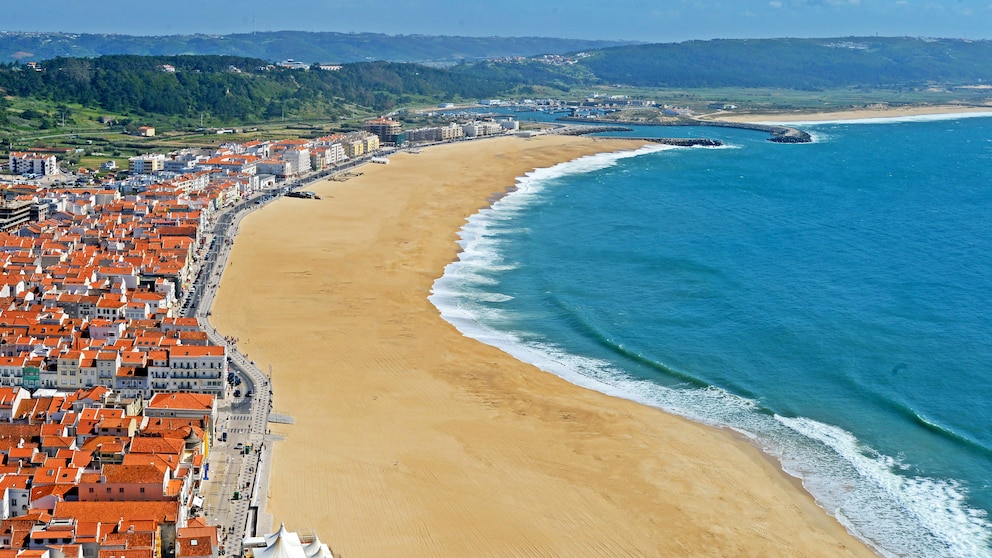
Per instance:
x=680, y=142
x=779, y=134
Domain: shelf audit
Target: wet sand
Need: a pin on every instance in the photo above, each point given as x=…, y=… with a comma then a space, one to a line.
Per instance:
x=412, y=440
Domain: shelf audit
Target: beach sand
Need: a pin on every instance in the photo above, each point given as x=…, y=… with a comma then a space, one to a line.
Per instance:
x=851, y=114
x=412, y=440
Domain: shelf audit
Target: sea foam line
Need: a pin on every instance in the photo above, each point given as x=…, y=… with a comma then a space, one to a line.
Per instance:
x=895, y=514
x=883, y=119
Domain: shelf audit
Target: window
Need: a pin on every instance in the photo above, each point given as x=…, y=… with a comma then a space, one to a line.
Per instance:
x=121, y=490
x=142, y=489
x=91, y=490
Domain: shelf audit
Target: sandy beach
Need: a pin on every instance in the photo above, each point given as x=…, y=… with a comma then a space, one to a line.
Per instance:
x=412, y=440
x=852, y=114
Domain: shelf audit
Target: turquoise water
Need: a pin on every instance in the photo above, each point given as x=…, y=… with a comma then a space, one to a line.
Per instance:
x=831, y=301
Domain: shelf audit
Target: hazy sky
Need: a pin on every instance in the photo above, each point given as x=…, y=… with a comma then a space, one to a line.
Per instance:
x=642, y=20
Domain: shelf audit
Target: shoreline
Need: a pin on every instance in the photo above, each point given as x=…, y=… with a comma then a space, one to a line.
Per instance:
x=786, y=117
x=463, y=417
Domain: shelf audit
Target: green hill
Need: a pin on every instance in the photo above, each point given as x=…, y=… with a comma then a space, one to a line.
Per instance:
x=232, y=89
x=796, y=63
x=281, y=45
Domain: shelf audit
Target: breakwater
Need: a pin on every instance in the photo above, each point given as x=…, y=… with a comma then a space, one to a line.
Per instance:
x=680, y=142
x=587, y=129
x=779, y=134
x=683, y=142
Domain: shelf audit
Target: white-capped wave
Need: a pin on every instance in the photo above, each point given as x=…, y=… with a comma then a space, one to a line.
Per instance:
x=896, y=514
x=949, y=527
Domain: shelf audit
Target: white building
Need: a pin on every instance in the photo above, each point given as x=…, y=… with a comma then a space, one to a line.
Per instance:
x=32, y=163
x=274, y=167
x=147, y=163
x=481, y=129
x=298, y=159
x=324, y=156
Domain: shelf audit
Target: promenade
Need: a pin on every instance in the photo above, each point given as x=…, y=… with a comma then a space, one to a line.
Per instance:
x=241, y=453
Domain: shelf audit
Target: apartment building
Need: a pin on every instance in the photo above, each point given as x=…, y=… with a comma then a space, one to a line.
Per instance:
x=32, y=163
x=146, y=164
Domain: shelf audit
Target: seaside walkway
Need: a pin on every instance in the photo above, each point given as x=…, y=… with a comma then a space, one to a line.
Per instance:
x=237, y=489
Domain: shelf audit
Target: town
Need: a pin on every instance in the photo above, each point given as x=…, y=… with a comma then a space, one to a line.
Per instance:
x=129, y=426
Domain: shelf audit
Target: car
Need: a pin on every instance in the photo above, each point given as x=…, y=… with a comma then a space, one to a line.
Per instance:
x=249, y=393
x=239, y=446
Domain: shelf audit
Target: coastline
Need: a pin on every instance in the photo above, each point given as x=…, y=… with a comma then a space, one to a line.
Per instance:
x=849, y=114
x=412, y=439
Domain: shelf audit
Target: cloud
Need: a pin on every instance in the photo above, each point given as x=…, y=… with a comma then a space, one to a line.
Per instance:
x=775, y=4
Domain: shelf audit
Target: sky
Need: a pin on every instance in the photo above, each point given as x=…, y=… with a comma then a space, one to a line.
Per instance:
x=658, y=21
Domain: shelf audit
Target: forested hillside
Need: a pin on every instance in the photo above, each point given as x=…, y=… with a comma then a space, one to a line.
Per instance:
x=796, y=63
x=235, y=89
x=281, y=45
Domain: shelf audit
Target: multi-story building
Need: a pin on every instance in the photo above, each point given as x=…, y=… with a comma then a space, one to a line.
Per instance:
x=32, y=163
x=147, y=163
x=326, y=155
x=14, y=213
x=386, y=129
x=274, y=167
x=481, y=129
x=450, y=132
x=298, y=159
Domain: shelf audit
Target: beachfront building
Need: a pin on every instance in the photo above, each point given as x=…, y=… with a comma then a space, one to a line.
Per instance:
x=387, y=130
x=285, y=544
x=298, y=159
x=32, y=163
x=274, y=167
x=450, y=132
x=192, y=368
x=324, y=156
x=482, y=129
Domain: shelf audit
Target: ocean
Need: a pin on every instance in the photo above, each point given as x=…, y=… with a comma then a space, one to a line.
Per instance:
x=831, y=301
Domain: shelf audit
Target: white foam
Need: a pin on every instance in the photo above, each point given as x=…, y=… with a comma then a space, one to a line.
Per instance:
x=898, y=515
x=882, y=119
x=938, y=506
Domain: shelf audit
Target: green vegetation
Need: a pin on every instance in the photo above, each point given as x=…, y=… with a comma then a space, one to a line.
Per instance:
x=804, y=64
x=336, y=48
x=81, y=102
x=226, y=90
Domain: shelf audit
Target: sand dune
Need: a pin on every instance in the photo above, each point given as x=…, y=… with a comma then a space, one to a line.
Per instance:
x=411, y=440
